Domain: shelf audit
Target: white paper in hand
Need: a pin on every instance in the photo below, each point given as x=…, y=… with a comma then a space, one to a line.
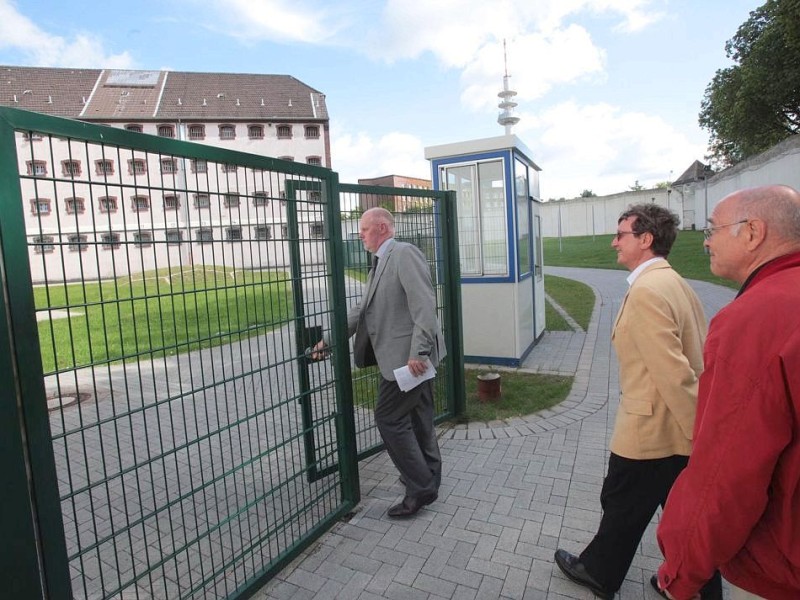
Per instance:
x=406, y=381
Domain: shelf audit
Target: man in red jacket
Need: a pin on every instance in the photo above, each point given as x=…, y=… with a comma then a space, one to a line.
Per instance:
x=736, y=507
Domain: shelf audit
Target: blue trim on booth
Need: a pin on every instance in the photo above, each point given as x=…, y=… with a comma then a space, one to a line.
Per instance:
x=508, y=156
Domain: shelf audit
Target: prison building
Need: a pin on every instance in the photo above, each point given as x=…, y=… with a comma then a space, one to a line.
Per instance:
x=93, y=199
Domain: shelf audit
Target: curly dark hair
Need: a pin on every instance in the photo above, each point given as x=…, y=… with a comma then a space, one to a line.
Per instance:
x=661, y=222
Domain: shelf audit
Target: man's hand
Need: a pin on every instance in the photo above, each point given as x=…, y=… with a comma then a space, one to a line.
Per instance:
x=319, y=351
x=417, y=367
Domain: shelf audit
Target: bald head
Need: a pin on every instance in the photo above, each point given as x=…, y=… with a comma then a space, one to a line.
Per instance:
x=376, y=226
x=751, y=227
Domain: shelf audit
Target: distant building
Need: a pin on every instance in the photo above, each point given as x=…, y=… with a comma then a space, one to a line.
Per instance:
x=398, y=203
x=151, y=201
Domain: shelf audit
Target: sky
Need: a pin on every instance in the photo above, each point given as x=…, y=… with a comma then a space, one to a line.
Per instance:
x=608, y=91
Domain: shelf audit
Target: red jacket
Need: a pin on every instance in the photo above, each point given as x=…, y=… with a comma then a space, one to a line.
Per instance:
x=736, y=506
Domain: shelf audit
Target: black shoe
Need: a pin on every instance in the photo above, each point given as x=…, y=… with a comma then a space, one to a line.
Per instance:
x=411, y=505
x=573, y=568
x=654, y=583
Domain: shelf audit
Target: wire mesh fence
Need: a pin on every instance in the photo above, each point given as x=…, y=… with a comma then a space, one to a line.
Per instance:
x=177, y=288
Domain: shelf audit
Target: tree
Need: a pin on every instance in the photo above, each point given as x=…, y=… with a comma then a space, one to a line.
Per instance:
x=588, y=194
x=636, y=186
x=753, y=105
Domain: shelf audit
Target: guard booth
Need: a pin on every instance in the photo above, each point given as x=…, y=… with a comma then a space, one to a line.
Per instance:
x=500, y=245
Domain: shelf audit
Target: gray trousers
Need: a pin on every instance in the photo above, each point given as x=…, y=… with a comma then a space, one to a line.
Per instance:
x=405, y=421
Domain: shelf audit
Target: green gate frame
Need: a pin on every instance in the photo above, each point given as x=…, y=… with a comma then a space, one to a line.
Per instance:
x=34, y=556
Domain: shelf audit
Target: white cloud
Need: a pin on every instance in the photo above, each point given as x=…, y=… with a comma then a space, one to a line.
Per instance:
x=358, y=155
x=278, y=20
x=579, y=146
x=43, y=49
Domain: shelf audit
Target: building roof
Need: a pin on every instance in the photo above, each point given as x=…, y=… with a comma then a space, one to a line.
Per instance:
x=127, y=95
x=697, y=171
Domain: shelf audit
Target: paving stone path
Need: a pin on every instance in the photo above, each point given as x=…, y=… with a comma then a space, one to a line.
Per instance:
x=512, y=492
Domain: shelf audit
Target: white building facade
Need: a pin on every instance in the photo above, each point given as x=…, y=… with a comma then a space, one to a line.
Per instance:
x=83, y=202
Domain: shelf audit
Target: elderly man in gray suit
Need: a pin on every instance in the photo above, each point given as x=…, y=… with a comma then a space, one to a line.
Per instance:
x=395, y=325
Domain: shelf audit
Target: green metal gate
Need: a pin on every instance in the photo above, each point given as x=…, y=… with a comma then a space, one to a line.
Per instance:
x=164, y=434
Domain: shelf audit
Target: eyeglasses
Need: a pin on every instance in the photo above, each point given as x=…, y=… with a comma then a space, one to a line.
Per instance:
x=621, y=233
x=709, y=231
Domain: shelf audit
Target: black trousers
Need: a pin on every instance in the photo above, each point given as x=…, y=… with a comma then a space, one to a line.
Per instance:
x=405, y=421
x=632, y=492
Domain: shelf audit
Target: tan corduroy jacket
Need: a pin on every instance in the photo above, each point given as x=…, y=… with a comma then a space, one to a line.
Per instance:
x=658, y=335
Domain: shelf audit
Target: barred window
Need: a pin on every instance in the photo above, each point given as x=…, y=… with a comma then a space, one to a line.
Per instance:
x=229, y=168
x=204, y=235
x=316, y=230
x=110, y=241
x=167, y=131
x=75, y=206
x=202, y=201
x=135, y=127
x=137, y=166
x=231, y=200
x=255, y=132
x=314, y=160
x=199, y=165
x=43, y=244
x=37, y=168
x=31, y=136
x=104, y=166
x=169, y=166
x=41, y=207
x=312, y=132
x=260, y=199
x=107, y=204
x=174, y=237
x=197, y=132
x=227, y=132
x=71, y=168
x=284, y=132
x=140, y=203
x=263, y=232
x=77, y=243
x=233, y=234
x=172, y=202
x=143, y=238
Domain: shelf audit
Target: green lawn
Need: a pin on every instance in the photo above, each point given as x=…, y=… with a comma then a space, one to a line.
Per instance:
x=158, y=313
x=520, y=394
x=688, y=256
x=574, y=297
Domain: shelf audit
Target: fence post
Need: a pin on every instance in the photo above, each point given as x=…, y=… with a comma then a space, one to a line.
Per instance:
x=452, y=294
x=348, y=449
x=34, y=555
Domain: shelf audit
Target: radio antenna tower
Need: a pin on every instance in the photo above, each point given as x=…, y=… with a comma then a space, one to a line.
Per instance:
x=506, y=118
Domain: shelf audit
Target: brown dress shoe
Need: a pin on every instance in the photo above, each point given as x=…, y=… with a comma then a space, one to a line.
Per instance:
x=411, y=505
x=573, y=568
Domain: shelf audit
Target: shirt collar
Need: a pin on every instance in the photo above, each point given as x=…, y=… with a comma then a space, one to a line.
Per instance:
x=383, y=247
x=638, y=270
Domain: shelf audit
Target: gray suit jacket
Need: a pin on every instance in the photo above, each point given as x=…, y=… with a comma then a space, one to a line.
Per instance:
x=397, y=312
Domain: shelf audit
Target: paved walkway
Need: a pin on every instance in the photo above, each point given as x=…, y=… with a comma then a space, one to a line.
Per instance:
x=512, y=492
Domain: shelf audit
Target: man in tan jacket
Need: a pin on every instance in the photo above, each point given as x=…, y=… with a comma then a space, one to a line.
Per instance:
x=658, y=336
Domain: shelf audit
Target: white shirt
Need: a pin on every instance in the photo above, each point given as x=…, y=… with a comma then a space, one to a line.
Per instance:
x=638, y=270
